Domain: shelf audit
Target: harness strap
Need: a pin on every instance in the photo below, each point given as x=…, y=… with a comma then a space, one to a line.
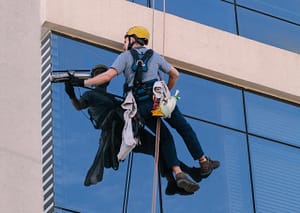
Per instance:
x=139, y=65
x=141, y=90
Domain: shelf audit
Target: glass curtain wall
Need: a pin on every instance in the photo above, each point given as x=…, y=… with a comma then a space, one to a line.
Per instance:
x=256, y=139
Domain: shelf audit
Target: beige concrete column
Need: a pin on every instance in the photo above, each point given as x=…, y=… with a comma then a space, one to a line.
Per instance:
x=20, y=123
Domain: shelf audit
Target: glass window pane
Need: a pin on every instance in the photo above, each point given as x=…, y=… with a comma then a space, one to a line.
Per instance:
x=210, y=101
x=68, y=54
x=276, y=176
x=289, y=10
x=228, y=186
x=75, y=140
x=75, y=146
x=273, y=119
x=269, y=30
x=76, y=143
x=213, y=13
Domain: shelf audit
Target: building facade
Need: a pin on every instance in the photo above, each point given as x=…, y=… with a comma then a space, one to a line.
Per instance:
x=238, y=89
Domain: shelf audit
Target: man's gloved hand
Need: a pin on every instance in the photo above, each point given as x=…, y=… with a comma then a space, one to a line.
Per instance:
x=69, y=90
x=76, y=82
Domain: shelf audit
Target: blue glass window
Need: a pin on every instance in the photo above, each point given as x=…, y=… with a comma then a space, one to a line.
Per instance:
x=76, y=142
x=288, y=10
x=218, y=120
x=211, y=101
x=273, y=119
x=229, y=186
x=276, y=176
x=71, y=54
x=213, y=13
x=269, y=30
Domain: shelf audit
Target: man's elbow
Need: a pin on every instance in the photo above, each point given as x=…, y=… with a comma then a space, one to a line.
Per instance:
x=177, y=74
x=174, y=74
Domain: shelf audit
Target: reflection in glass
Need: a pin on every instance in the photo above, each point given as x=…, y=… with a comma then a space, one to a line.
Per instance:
x=76, y=142
x=288, y=10
x=273, y=119
x=228, y=186
x=276, y=176
x=211, y=101
x=211, y=13
x=269, y=30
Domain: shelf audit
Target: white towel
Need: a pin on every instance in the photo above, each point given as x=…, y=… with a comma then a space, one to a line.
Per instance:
x=128, y=140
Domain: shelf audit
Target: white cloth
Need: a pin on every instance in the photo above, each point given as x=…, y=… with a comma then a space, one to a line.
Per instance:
x=161, y=91
x=167, y=102
x=128, y=140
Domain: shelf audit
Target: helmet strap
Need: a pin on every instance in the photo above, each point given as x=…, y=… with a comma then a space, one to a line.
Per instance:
x=130, y=44
x=136, y=40
x=140, y=41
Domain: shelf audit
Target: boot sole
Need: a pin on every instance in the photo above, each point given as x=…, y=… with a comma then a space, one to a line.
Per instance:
x=187, y=185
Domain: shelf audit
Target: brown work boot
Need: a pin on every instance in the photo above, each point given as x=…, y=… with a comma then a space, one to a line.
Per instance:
x=208, y=166
x=185, y=183
x=173, y=189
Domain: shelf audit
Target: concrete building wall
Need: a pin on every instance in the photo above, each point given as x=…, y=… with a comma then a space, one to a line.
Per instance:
x=20, y=117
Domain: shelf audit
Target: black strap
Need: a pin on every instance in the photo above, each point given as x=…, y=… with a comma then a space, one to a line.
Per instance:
x=139, y=65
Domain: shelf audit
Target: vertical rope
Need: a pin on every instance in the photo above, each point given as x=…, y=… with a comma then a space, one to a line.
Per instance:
x=127, y=183
x=158, y=125
x=156, y=158
x=152, y=30
x=164, y=26
x=160, y=192
x=157, y=136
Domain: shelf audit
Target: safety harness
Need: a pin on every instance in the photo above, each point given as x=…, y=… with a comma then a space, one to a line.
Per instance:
x=138, y=92
x=141, y=90
x=164, y=103
x=139, y=65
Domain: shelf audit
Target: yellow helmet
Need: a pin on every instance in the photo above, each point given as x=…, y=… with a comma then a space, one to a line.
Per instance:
x=139, y=32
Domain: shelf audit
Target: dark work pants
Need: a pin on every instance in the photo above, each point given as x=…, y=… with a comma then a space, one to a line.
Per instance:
x=167, y=145
x=184, y=129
